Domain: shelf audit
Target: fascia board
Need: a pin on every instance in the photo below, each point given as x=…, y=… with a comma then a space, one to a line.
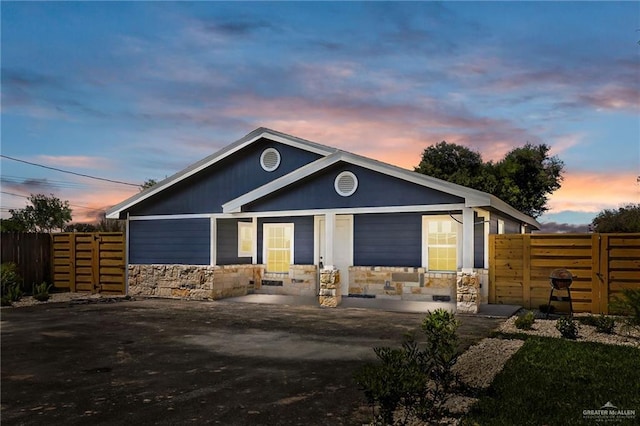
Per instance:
x=470, y=195
x=114, y=212
x=503, y=207
x=235, y=205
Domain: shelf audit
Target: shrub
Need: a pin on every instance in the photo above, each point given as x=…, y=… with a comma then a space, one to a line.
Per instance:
x=629, y=305
x=605, y=324
x=10, y=283
x=41, y=292
x=525, y=321
x=602, y=323
x=410, y=381
x=567, y=327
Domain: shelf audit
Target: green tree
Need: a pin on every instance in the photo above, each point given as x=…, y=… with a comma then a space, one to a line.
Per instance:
x=45, y=214
x=148, y=184
x=524, y=178
x=12, y=225
x=624, y=219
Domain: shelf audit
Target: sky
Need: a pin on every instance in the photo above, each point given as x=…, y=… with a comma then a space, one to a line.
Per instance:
x=130, y=91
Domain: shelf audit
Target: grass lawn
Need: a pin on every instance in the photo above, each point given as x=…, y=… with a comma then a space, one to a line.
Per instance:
x=551, y=381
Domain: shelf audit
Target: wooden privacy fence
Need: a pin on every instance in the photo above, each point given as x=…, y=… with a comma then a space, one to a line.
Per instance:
x=31, y=252
x=92, y=262
x=602, y=265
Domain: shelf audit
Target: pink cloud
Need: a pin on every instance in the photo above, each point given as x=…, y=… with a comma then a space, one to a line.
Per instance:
x=593, y=192
x=75, y=161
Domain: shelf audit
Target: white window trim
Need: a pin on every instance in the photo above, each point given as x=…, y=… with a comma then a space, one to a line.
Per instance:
x=425, y=240
x=266, y=226
x=241, y=226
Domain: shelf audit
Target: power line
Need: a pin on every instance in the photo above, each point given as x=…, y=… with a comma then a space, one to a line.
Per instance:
x=73, y=205
x=67, y=171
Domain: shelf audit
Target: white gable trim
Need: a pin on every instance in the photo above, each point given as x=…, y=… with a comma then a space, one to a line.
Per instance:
x=472, y=197
x=114, y=212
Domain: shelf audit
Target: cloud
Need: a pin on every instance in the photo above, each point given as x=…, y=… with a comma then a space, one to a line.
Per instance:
x=555, y=228
x=583, y=191
x=74, y=161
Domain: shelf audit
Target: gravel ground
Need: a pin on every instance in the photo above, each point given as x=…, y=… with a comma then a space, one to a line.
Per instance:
x=586, y=333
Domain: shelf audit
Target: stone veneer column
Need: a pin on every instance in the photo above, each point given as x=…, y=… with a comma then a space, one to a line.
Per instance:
x=468, y=292
x=330, y=295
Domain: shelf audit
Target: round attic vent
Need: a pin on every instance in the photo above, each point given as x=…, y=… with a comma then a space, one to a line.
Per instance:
x=346, y=184
x=270, y=159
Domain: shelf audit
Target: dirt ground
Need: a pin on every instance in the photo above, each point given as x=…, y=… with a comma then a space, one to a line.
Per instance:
x=170, y=362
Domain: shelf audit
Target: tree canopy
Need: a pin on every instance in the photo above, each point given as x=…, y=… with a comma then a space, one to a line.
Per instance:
x=45, y=214
x=624, y=219
x=524, y=178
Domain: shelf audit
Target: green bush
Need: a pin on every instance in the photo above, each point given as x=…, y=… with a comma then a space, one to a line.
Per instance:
x=525, y=321
x=409, y=381
x=602, y=323
x=628, y=305
x=41, y=291
x=567, y=327
x=10, y=283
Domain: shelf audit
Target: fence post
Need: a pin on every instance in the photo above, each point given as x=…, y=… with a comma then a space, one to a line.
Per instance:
x=526, y=270
x=604, y=273
x=596, y=282
x=72, y=262
x=492, y=268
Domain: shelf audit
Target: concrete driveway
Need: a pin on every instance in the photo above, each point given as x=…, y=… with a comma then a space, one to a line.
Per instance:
x=173, y=362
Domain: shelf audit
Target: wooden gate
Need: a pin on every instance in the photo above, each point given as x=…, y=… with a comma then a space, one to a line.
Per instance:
x=603, y=265
x=89, y=262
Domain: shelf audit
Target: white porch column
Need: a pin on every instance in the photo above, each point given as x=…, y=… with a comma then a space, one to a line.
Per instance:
x=329, y=233
x=467, y=239
x=213, y=254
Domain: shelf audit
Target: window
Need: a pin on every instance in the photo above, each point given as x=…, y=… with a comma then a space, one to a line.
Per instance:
x=245, y=239
x=441, y=243
x=270, y=159
x=278, y=246
x=500, y=226
x=346, y=184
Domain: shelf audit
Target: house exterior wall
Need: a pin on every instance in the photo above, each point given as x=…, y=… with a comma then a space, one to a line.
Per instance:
x=387, y=239
x=170, y=241
x=478, y=241
x=227, y=242
x=233, y=176
x=374, y=190
x=510, y=226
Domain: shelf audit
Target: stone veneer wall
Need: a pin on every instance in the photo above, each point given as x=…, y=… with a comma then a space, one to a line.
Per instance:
x=193, y=281
x=300, y=281
x=468, y=292
x=330, y=295
x=402, y=283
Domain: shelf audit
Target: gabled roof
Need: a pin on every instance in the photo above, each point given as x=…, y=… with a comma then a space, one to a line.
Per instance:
x=330, y=156
x=257, y=134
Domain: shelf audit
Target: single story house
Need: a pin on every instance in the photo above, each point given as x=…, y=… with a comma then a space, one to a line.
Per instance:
x=271, y=211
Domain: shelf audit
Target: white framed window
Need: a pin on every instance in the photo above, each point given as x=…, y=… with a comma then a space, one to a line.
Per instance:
x=245, y=239
x=277, y=246
x=346, y=184
x=500, y=226
x=270, y=159
x=440, y=243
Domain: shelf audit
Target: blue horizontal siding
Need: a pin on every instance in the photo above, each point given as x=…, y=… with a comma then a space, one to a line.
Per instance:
x=176, y=241
x=374, y=190
x=387, y=240
x=229, y=178
x=227, y=243
x=303, y=240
